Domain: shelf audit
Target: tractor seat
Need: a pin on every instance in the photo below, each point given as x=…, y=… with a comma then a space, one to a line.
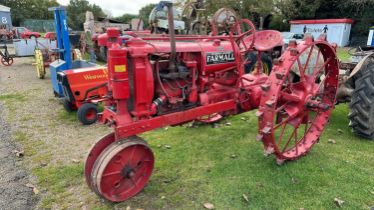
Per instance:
x=266, y=40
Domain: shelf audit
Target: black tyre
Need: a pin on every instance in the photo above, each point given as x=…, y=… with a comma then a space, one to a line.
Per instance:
x=68, y=106
x=251, y=58
x=87, y=114
x=361, y=113
x=103, y=54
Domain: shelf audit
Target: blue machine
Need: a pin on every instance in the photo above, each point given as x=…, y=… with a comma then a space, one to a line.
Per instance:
x=64, y=50
x=371, y=37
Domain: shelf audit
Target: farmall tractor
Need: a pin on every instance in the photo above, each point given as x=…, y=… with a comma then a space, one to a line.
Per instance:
x=167, y=81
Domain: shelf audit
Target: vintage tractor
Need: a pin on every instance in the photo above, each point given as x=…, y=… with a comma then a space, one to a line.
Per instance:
x=167, y=81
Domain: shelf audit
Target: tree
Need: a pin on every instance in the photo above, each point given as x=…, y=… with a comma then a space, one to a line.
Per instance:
x=29, y=9
x=126, y=18
x=144, y=13
x=77, y=13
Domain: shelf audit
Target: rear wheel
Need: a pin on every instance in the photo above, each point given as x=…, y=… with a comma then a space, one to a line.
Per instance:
x=87, y=113
x=361, y=113
x=297, y=99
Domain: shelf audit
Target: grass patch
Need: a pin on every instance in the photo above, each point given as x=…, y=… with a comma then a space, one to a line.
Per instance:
x=57, y=180
x=68, y=117
x=199, y=168
x=343, y=54
x=20, y=97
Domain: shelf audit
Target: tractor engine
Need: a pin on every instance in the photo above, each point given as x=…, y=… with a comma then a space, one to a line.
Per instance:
x=156, y=80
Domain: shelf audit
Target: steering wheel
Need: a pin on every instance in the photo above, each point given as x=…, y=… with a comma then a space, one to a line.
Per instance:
x=247, y=44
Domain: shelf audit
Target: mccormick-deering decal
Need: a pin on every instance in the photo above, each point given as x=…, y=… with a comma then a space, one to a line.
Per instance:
x=219, y=57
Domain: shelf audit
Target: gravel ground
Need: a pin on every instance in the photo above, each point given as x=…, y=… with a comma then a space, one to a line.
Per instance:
x=48, y=135
x=13, y=178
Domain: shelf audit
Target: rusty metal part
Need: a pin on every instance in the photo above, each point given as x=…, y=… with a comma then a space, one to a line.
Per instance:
x=365, y=61
x=224, y=19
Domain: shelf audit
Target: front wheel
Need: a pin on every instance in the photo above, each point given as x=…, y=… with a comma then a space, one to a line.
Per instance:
x=123, y=169
x=361, y=107
x=87, y=114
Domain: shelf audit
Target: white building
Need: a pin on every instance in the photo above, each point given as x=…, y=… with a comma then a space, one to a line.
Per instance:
x=337, y=30
x=5, y=19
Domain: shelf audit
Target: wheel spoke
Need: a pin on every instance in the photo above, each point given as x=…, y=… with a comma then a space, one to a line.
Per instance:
x=301, y=70
x=290, y=97
x=281, y=134
x=289, y=140
x=296, y=140
x=315, y=74
x=309, y=56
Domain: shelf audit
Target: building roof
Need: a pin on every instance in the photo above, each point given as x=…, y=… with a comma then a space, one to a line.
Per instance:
x=322, y=21
x=4, y=8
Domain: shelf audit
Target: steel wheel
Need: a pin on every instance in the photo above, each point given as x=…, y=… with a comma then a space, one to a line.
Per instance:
x=298, y=98
x=94, y=153
x=77, y=55
x=39, y=64
x=123, y=169
x=7, y=62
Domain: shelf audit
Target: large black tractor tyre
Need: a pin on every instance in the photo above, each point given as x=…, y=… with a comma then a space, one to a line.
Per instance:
x=68, y=106
x=361, y=107
x=251, y=59
x=87, y=113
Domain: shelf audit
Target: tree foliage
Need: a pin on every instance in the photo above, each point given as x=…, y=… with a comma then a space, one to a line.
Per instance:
x=126, y=18
x=144, y=13
x=77, y=13
x=29, y=9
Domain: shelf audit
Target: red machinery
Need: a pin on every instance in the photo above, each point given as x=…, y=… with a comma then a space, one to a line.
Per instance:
x=167, y=81
x=83, y=89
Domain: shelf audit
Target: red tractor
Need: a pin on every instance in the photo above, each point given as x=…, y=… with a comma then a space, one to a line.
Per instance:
x=167, y=81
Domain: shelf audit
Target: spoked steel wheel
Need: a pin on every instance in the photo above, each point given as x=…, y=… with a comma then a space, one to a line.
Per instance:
x=298, y=98
x=123, y=169
x=39, y=64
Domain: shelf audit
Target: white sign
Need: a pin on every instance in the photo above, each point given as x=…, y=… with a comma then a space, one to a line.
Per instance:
x=336, y=32
x=4, y=20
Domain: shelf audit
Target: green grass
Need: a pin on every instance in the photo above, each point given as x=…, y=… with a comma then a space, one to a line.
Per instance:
x=20, y=97
x=56, y=180
x=199, y=168
x=67, y=117
x=343, y=54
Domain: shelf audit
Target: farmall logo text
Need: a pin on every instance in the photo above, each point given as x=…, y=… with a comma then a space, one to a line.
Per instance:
x=219, y=57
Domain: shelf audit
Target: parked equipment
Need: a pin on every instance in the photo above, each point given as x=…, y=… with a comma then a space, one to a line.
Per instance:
x=80, y=84
x=155, y=83
x=6, y=58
